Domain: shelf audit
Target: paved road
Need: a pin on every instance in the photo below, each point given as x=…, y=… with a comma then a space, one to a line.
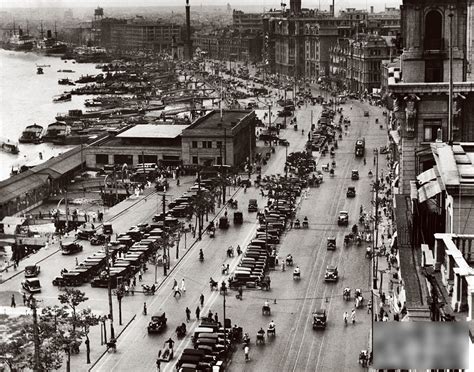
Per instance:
x=297, y=347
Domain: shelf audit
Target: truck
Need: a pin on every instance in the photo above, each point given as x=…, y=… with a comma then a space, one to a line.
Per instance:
x=360, y=147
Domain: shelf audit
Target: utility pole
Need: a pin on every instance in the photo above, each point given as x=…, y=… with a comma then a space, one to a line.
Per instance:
x=109, y=290
x=36, y=339
x=165, y=243
x=376, y=228
x=225, y=337
x=450, y=94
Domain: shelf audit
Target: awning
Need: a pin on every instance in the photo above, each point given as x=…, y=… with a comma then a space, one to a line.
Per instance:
x=426, y=176
x=428, y=190
x=395, y=136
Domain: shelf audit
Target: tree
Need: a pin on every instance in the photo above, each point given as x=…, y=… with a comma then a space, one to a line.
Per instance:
x=85, y=320
x=73, y=298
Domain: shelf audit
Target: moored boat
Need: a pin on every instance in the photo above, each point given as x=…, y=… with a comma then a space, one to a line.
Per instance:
x=32, y=134
x=62, y=97
x=65, y=81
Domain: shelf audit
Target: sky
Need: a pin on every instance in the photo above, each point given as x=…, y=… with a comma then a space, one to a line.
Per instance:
x=340, y=4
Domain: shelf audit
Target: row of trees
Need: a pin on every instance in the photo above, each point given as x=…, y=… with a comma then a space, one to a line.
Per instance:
x=42, y=340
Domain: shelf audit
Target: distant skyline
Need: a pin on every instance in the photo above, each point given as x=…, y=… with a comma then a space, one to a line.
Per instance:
x=267, y=4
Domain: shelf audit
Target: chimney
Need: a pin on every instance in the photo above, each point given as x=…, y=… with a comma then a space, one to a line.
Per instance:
x=371, y=9
x=331, y=10
x=188, y=45
x=295, y=6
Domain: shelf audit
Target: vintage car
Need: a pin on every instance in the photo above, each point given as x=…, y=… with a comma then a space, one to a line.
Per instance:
x=71, y=248
x=99, y=239
x=351, y=192
x=223, y=223
x=355, y=175
x=85, y=234
x=157, y=323
x=238, y=218
x=366, y=113
x=343, y=218
x=107, y=229
x=331, y=274
x=31, y=285
x=331, y=244
x=31, y=271
x=253, y=205
x=319, y=319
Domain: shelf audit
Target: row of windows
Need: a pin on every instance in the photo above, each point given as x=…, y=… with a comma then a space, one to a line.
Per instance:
x=206, y=144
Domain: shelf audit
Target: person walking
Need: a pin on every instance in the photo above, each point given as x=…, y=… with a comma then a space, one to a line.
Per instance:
x=246, y=352
x=183, y=288
x=201, y=300
x=188, y=314
x=353, y=316
x=24, y=299
x=344, y=317
x=216, y=317
x=13, y=303
x=144, y=308
x=176, y=291
x=158, y=362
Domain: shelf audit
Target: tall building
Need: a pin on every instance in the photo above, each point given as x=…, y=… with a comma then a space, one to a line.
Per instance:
x=421, y=97
x=470, y=40
x=247, y=22
x=318, y=40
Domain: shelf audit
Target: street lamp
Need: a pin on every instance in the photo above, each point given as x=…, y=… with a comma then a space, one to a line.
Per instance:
x=376, y=228
x=286, y=159
x=120, y=293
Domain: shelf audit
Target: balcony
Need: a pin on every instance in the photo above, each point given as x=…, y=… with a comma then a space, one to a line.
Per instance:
x=434, y=45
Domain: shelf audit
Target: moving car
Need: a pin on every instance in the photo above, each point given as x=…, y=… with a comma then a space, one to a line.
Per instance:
x=331, y=274
x=85, y=234
x=319, y=319
x=366, y=113
x=98, y=239
x=71, y=248
x=31, y=271
x=355, y=175
x=253, y=205
x=351, y=192
x=157, y=323
x=331, y=244
x=31, y=285
x=343, y=218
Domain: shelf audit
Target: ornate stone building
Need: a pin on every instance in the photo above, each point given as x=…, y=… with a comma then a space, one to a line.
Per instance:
x=421, y=95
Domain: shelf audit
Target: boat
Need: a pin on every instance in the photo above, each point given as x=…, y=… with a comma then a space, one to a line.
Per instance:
x=65, y=97
x=9, y=146
x=43, y=66
x=86, y=79
x=32, y=134
x=69, y=71
x=39, y=71
x=19, y=42
x=51, y=45
x=65, y=81
x=61, y=134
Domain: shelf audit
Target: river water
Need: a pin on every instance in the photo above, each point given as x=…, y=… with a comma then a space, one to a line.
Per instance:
x=26, y=98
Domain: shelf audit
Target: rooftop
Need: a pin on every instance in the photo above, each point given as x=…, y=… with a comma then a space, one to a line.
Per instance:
x=230, y=118
x=153, y=131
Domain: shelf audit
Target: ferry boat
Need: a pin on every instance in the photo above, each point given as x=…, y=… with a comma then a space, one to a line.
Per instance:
x=67, y=70
x=20, y=42
x=9, y=146
x=65, y=97
x=32, y=134
x=51, y=45
x=61, y=134
x=39, y=71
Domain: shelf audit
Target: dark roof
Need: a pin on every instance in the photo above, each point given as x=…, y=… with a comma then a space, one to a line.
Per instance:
x=410, y=257
x=230, y=118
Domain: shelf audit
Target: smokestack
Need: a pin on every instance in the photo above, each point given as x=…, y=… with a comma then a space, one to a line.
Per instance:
x=331, y=10
x=188, y=44
x=295, y=6
x=371, y=9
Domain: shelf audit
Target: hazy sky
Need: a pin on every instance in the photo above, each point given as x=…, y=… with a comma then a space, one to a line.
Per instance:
x=340, y=4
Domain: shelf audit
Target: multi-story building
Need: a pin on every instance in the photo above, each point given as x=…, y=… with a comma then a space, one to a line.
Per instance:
x=386, y=23
x=421, y=97
x=318, y=41
x=338, y=54
x=247, y=22
x=230, y=45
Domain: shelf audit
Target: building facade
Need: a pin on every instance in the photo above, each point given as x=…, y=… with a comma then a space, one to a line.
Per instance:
x=247, y=22
x=421, y=97
x=215, y=140
x=318, y=41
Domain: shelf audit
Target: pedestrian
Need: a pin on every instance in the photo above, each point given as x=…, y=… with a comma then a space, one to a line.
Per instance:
x=216, y=317
x=144, y=308
x=353, y=316
x=176, y=291
x=140, y=277
x=134, y=281
x=198, y=312
x=375, y=160
x=201, y=300
x=188, y=314
x=382, y=298
x=158, y=362
x=132, y=289
x=13, y=304
x=246, y=352
x=77, y=262
x=183, y=288
x=24, y=299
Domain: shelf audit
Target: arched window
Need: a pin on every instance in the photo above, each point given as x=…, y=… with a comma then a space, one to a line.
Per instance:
x=433, y=30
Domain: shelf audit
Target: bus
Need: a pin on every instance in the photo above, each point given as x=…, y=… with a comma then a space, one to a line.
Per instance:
x=360, y=147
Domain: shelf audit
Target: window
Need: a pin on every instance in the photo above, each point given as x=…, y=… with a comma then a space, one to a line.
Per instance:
x=433, y=71
x=195, y=160
x=219, y=144
x=194, y=144
x=433, y=31
x=209, y=144
x=219, y=160
x=430, y=129
x=204, y=144
x=102, y=159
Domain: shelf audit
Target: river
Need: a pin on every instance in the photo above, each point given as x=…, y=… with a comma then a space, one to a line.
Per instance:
x=26, y=98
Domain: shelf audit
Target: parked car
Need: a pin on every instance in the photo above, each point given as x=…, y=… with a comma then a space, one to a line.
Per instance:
x=85, y=234
x=32, y=271
x=99, y=239
x=71, y=248
x=31, y=285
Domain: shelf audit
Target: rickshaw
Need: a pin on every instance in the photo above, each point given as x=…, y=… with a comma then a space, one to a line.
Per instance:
x=223, y=223
x=260, y=336
x=266, y=310
x=264, y=284
x=233, y=203
x=107, y=229
x=346, y=293
x=305, y=223
x=364, y=358
x=297, y=224
x=331, y=243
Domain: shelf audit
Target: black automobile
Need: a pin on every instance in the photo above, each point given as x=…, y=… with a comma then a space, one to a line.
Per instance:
x=253, y=206
x=32, y=271
x=71, y=248
x=331, y=274
x=157, y=323
x=238, y=218
x=355, y=175
x=343, y=218
x=351, y=192
x=319, y=319
x=223, y=223
x=85, y=234
x=99, y=239
x=107, y=229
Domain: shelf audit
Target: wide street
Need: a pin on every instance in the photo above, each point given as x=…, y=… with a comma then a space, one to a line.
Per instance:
x=297, y=347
